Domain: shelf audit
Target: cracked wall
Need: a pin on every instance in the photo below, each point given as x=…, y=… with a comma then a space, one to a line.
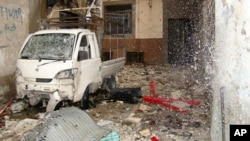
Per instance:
x=14, y=28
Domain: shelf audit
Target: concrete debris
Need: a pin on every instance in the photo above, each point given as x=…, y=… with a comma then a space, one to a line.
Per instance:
x=6, y=117
x=17, y=129
x=131, y=114
x=133, y=120
x=7, y=134
x=183, y=134
x=18, y=107
x=10, y=124
x=104, y=123
x=25, y=125
x=181, y=105
x=176, y=94
x=144, y=107
x=145, y=132
x=151, y=72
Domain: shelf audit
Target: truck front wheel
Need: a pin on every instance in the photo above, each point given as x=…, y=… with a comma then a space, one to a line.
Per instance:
x=85, y=99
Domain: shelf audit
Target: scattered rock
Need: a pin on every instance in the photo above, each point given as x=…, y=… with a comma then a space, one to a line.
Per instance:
x=18, y=107
x=145, y=132
x=133, y=120
x=181, y=105
x=10, y=124
x=176, y=94
x=104, y=122
x=25, y=125
x=144, y=107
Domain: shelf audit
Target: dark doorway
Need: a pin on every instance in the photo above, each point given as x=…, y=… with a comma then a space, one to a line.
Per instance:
x=135, y=57
x=180, y=49
x=107, y=56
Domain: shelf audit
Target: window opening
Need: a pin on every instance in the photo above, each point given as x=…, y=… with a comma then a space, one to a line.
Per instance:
x=118, y=19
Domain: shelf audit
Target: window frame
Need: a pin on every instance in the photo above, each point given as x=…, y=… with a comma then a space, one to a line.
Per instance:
x=131, y=34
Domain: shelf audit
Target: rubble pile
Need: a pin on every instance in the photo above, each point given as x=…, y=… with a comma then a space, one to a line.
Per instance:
x=144, y=120
x=150, y=121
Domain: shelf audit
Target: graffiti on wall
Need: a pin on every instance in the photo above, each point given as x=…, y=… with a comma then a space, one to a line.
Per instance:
x=11, y=18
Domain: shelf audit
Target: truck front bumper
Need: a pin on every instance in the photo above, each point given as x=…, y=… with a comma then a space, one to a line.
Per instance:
x=35, y=91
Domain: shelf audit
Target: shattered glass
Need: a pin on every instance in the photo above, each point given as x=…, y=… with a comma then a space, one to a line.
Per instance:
x=53, y=46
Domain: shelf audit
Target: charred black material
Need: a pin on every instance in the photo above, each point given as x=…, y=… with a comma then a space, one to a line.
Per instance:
x=127, y=95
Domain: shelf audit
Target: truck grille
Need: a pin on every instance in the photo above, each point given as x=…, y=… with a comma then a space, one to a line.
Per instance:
x=43, y=80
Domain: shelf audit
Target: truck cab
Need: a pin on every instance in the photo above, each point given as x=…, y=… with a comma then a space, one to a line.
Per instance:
x=64, y=64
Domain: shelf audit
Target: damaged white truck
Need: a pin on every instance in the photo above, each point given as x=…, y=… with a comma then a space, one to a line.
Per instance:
x=60, y=65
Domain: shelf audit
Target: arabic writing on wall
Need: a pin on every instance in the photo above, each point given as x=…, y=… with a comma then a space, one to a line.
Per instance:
x=11, y=18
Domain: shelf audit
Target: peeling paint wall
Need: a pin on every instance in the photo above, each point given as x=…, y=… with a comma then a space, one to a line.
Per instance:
x=231, y=68
x=14, y=28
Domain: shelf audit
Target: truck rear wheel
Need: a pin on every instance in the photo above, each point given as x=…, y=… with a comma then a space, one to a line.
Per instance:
x=110, y=83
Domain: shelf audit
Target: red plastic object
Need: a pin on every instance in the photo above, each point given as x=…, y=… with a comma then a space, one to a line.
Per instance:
x=163, y=102
x=154, y=138
x=152, y=87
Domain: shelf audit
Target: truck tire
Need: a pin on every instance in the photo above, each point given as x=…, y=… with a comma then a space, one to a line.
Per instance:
x=110, y=83
x=85, y=99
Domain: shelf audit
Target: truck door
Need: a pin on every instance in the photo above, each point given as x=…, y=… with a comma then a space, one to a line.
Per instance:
x=89, y=64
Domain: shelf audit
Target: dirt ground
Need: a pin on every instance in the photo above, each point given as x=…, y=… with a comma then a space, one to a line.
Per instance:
x=144, y=121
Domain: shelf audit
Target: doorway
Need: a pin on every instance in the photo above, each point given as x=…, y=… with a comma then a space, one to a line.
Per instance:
x=180, y=49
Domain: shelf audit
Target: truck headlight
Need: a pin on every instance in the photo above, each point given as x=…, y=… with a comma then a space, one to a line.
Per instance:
x=18, y=72
x=66, y=74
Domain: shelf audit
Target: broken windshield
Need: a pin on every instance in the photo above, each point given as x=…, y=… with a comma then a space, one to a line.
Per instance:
x=53, y=46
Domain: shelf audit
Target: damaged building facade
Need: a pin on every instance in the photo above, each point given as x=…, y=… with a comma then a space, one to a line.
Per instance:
x=211, y=36
x=136, y=29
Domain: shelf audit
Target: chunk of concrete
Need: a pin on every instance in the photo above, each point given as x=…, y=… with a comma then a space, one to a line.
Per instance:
x=25, y=125
x=145, y=132
x=176, y=94
x=144, y=107
x=18, y=107
x=10, y=124
x=133, y=120
x=104, y=122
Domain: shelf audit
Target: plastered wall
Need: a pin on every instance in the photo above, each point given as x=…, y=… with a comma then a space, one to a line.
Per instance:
x=13, y=29
x=149, y=19
x=231, y=67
